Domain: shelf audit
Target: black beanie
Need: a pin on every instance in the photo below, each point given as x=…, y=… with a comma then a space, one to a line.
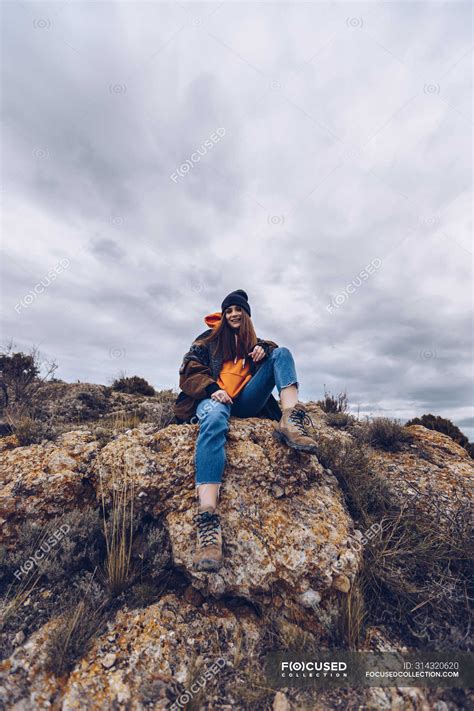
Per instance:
x=237, y=298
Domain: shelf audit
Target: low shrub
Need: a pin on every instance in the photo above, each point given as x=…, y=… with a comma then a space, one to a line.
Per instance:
x=419, y=571
x=91, y=404
x=152, y=550
x=131, y=553
x=385, y=433
x=42, y=570
x=333, y=403
x=144, y=594
x=28, y=427
x=161, y=415
x=338, y=419
x=77, y=546
x=134, y=385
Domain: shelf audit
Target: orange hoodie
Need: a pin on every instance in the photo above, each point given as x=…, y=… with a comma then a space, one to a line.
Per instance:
x=234, y=374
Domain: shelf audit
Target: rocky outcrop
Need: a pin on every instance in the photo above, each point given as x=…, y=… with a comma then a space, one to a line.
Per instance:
x=67, y=403
x=147, y=655
x=45, y=480
x=292, y=554
x=286, y=528
x=431, y=475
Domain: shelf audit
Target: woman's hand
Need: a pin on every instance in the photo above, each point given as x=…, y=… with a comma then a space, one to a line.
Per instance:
x=257, y=354
x=221, y=396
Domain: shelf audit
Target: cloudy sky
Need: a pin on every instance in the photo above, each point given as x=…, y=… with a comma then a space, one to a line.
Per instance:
x=157, y=155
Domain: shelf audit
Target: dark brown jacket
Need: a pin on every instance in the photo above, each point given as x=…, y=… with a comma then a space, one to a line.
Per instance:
x=198, y=375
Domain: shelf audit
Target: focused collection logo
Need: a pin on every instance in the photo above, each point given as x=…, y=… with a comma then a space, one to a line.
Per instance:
x=342, y=668
x=313, y=668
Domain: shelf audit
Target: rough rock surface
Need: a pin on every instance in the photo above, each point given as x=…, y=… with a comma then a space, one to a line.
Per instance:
x=42, y=481
x=150, y=651
x=290, y=547
x=153, y=657
x=82, y=402
x=431, y=474
x=285, y=524
x=284, y=521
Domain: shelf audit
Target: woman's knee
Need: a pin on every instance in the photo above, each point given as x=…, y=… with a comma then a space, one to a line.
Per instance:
x=215, y=418
x=280, y=351
x=210, y=407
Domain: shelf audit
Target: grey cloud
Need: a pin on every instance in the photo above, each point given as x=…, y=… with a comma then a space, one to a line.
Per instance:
x=102, y=108
x=107, y=249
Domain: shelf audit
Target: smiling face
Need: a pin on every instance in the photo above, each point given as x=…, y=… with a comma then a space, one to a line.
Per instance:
x=233, y=316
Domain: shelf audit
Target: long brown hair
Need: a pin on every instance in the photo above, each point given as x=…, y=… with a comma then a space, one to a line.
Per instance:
x=224, y=338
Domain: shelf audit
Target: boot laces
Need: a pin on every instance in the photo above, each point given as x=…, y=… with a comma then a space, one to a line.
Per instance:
x=300, y=419
x=208, y=528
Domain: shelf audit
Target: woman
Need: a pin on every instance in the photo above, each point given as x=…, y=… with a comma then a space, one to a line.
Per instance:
x=229, y=371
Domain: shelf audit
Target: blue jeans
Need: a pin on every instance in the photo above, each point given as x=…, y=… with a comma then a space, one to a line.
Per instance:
x=278, y=369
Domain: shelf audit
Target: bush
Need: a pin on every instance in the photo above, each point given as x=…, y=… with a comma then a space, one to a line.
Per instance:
x=133, y=385
x=385, y=433
x=46, y=583
x=338, y=419
x=92, y=404
x=166, y=396
x=333, y=403
x=78, y=547
x=67, y=580
x=443, y=425
x=153, y=550
x=29, y=428
x=20, y=374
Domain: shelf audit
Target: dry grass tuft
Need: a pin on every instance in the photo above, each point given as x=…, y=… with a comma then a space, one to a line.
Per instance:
x=10, y=606
x=367, y=492
x=352, y=614
x=72, y=636
x=118, y=571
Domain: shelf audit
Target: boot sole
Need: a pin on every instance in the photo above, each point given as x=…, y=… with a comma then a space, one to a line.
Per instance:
x=312, y=449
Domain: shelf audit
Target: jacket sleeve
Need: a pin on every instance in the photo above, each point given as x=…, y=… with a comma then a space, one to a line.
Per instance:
x=268, y=346
x=194, y=374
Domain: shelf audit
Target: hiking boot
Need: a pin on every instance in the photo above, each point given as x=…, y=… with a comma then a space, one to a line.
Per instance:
x=292, y=429
x=208, y=555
